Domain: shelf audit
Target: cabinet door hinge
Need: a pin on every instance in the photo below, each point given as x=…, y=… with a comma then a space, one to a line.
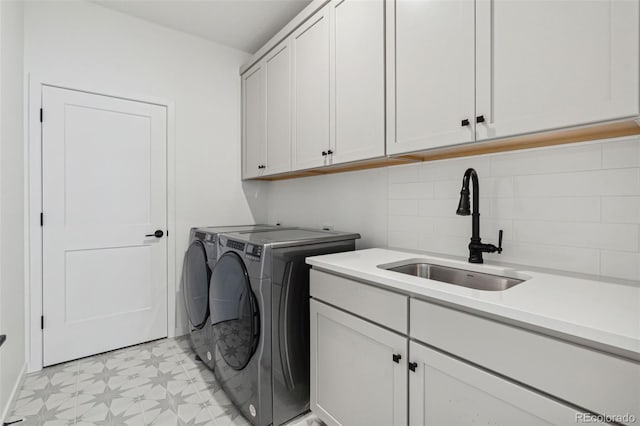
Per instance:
x=41, y=219
x=42, y=322
x=41, y=115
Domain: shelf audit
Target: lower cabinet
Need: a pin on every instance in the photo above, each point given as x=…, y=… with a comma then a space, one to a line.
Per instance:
x=444, y=391
x=358, y=370
x=439, y=367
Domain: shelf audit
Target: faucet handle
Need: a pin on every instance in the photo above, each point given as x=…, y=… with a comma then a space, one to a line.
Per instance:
x=500, y=241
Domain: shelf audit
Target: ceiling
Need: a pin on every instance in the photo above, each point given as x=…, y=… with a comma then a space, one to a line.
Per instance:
x=242, y=24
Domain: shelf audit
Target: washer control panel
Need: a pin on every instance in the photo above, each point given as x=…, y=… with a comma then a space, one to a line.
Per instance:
x=253, y=252
x=236, y=245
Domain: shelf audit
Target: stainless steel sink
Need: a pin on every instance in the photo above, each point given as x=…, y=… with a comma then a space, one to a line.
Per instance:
x=461, y=277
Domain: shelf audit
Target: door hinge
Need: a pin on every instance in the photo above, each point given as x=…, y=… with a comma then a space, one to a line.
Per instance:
x=41, y=219
x=41, y=115
x=42, y=322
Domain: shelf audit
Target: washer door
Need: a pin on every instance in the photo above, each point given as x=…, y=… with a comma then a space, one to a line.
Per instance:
x=234, y=311
x=195, y=280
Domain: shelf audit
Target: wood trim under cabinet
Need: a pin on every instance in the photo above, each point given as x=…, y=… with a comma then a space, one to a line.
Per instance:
x=537, y=140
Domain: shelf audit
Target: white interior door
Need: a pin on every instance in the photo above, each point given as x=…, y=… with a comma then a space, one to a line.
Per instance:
x=103, y=193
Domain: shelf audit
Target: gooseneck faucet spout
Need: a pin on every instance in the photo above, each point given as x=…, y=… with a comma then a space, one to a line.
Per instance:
x=476, y=247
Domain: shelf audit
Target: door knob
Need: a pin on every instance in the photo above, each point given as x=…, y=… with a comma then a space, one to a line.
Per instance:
x=157, y=234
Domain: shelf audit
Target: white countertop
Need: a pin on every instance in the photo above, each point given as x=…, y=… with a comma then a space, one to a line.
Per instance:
x=594, y=311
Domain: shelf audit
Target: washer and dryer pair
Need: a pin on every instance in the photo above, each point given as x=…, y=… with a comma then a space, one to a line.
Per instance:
x=199, y=261
x=254, y=330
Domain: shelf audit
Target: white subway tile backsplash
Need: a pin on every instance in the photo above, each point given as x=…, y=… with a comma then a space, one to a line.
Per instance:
x=410, y=191
x=621, y=154
x=432, y=171
x=564, y=159
x=621, y=265
x=489, y=187
x=455, y=246
x=403, y=207
x=576, y=234
x=621, y=210
x=447, y=207
x=403, y=240
x=410, y=223
x=592, y=183
x=584, y=209
x=574, y=208
x=572, y=259
x=405, y=173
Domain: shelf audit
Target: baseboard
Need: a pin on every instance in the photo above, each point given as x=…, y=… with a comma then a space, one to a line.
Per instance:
x=14, y=393
x=180, y=331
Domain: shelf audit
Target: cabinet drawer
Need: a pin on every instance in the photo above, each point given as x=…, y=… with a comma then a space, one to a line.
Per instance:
x=377, y=305
x=599, y=382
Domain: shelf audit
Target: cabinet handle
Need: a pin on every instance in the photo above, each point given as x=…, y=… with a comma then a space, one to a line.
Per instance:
x=329, y=152
x=480, y=119
x=413, y=366
x=397, y=358
x=465, y=122
x=324, y=153
x=262, y=166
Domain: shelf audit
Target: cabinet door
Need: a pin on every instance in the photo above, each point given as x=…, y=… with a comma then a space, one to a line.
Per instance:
x=253, y=121
x=431, y=84
x=551, y=64
x=447, y=392
x=311, y=102
x=358, y=79
x=354, y=378
x=278, y=69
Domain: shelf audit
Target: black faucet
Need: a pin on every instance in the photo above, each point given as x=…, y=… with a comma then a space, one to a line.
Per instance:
x=476, y=247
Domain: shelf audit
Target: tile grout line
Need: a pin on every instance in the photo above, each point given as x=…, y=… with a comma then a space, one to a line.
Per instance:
x=213, y=419
x=76, y=393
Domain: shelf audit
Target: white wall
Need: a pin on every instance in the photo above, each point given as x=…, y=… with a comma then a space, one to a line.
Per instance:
x=97, y=49
x=353, y=201
x=573, y=208
x=12, y=307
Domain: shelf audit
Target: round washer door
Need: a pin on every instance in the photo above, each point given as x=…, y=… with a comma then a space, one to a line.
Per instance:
x=234, y=311
x=195, y=279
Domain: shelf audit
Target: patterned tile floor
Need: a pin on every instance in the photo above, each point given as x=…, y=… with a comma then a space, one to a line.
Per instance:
x=157, y=383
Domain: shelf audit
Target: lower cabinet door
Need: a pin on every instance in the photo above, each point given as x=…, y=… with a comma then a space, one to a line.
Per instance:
x=358, y=370
x=447, y=392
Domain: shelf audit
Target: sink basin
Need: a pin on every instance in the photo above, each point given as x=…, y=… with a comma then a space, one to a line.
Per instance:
x=461, y=277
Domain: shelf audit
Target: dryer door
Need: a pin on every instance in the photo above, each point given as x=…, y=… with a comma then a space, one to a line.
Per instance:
x=195, y=280
x=234, y=311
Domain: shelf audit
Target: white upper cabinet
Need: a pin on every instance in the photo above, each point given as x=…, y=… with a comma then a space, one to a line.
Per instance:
x=357, y=41
x=509, y=67
x=278, y=80
x=311, y=102
x=254, y=121
x=549, y=64
x=431, y=82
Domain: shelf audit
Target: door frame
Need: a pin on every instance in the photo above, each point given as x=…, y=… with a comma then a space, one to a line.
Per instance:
x=33, y=206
